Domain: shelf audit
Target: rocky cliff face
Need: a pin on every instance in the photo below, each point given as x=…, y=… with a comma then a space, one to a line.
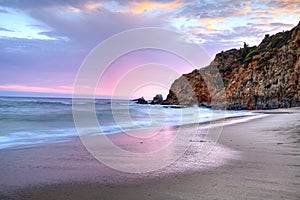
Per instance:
x=260, y=77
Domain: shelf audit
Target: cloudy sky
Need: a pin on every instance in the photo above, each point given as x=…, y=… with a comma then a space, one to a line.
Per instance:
x=44, y=42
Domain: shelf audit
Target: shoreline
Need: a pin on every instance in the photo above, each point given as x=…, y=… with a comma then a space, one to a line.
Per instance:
x=264, y=159
x=75, y=135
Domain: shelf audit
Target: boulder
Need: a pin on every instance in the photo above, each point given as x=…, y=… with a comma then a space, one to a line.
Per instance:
x=140, y=100
x=158, y=99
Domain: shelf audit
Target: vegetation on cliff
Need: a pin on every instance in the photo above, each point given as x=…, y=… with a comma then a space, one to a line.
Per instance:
x=259, y=77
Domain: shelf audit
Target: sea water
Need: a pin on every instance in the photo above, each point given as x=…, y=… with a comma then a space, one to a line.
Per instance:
x=30, y=121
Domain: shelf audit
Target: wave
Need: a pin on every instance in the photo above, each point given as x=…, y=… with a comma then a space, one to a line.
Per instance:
x=31, y=121
x=33, y=101
x=23, y=139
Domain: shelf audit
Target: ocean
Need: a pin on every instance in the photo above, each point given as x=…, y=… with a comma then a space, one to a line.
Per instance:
x=30, y=121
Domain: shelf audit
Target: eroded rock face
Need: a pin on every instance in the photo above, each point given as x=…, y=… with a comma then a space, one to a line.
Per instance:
x=262, y=77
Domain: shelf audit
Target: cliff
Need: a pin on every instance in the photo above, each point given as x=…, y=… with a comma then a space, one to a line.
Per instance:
x=260, y=77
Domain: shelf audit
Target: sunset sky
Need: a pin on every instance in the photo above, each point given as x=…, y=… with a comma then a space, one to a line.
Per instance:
x=43, y=43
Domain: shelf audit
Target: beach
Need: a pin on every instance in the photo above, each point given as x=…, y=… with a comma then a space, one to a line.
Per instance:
x=149, y=100
x=256, y=159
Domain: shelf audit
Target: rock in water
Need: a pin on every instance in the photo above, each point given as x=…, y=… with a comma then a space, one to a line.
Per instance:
x=158, y=99
x=260, y=77
x=140, y=100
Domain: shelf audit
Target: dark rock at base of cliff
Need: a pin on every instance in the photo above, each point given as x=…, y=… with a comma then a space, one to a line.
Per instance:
x=140, y=100
x=158, y=99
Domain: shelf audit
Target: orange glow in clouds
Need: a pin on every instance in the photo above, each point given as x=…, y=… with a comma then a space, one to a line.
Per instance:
x=139, y=7
x=89, y=6
x=92, y=5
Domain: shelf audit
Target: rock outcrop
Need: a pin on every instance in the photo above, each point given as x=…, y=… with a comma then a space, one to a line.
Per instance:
x=158, y=99
x=260, y=77
x=140, y=100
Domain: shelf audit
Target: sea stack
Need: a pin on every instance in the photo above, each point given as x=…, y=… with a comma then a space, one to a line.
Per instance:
x=158, y=99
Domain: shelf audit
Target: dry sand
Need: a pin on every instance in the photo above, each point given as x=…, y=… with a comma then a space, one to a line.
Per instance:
x=257, y=159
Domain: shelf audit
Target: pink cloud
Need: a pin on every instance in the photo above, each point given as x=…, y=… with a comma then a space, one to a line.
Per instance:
x=24, y=88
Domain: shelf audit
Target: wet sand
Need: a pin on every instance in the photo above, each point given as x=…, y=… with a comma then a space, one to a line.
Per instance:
x=257, y=159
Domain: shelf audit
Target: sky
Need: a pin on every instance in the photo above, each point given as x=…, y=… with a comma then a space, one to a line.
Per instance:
x=43, y=43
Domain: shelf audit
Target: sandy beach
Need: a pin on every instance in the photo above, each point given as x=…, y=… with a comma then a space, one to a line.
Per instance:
x=256, y=159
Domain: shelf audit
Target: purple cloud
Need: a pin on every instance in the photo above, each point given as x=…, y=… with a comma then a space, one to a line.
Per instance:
x=77, y=26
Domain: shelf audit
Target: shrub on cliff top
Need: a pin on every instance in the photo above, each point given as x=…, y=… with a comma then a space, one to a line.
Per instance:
x=252, y=52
